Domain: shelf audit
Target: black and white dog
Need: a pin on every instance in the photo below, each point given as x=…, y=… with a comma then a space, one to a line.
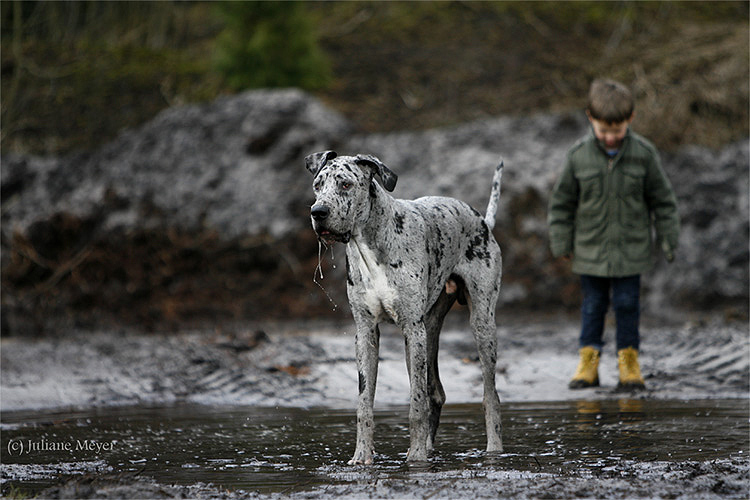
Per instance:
x=407, y=263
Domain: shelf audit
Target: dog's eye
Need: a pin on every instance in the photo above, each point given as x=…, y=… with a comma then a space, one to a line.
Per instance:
x=316, y=187
x=345, y=186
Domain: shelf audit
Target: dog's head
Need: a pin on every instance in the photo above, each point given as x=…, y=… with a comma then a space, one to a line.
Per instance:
x=342, y=186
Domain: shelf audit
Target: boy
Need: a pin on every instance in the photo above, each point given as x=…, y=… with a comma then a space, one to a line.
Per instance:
x=600, y=214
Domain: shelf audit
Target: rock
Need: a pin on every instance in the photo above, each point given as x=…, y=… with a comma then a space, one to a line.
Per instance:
x=205, y=209
x=222, y=165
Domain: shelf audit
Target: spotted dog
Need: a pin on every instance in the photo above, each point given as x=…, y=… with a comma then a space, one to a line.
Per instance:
x=408, y=262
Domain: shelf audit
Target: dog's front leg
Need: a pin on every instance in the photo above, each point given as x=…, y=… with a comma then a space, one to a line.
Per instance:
x=367, y=347
x=416, y=353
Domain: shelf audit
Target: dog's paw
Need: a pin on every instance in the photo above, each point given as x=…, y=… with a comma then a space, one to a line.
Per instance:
x=495, y=447
x=419, y=455
x=361, y=458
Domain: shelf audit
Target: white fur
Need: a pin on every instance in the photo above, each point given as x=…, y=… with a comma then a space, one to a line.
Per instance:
x=378, y=294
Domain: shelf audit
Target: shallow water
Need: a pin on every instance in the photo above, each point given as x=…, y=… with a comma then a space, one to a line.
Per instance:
x=288, y=449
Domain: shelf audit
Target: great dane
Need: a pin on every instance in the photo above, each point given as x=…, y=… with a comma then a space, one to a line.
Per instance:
x=408, y=261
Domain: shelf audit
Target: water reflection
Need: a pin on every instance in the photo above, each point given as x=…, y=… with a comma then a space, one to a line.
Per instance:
x=288, y=449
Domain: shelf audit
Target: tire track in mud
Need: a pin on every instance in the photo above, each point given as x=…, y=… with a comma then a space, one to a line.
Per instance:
x=693, y=361
x=277, y=372
x=703, y=357
x=316, y=367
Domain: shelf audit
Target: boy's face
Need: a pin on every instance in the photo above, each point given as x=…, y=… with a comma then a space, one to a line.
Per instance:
x=610, y=135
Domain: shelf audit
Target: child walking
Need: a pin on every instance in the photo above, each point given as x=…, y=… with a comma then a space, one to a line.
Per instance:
x=611, y=189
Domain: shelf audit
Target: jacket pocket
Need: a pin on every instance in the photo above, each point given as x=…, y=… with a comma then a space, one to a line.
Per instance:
x=588, y=241
x=637, y=243
x=631, y=191
x=590, y=185
x=634, y=214
x=632, y=183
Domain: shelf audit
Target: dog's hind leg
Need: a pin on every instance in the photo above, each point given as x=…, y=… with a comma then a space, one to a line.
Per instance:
x=433, y=325
x=482, y=314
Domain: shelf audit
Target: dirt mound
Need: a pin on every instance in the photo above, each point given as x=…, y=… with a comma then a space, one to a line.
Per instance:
x=202, y=216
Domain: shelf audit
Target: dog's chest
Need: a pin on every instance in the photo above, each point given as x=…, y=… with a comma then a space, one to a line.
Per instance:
x=370, y=285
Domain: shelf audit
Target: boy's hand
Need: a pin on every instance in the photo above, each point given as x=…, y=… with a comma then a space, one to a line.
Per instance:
x=668, y=251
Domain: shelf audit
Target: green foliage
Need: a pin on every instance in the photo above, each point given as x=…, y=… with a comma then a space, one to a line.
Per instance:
x=269, y=44
x=74, y=73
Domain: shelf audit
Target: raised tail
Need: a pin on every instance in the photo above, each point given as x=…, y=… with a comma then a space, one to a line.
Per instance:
x=489, y=218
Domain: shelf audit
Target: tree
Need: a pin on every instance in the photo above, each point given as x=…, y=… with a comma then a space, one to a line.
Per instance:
x=269, y=44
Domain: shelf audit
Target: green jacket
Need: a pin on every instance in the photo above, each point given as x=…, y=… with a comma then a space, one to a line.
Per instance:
x=601, y=209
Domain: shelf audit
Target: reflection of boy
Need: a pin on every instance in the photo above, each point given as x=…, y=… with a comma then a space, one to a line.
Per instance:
x=600, y=213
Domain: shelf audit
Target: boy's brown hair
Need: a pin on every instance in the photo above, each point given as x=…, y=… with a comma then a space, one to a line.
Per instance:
x=610, y=101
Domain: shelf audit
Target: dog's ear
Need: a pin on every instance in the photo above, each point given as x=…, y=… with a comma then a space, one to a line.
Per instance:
x=389, y=178
x=316, y=161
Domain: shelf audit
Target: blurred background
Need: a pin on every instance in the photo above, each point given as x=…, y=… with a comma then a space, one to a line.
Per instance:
x=75, y=73
x=142, y=143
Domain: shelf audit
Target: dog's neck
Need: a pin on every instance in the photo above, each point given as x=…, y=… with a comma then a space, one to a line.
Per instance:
x=373, y=229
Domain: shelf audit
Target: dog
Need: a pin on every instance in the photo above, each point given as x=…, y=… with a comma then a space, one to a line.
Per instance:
x=408, y=262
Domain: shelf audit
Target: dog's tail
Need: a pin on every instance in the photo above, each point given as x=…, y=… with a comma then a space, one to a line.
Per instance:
x=489, y=218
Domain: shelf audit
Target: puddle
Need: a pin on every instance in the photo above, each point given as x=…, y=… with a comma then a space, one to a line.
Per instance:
x=287, y=449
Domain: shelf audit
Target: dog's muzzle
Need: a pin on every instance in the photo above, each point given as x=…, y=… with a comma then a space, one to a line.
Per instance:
x=319, y=214
x=331, y=237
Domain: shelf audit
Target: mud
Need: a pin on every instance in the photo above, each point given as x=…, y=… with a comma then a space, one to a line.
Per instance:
x=309, y=365
x=284, y=394
x=598, y=448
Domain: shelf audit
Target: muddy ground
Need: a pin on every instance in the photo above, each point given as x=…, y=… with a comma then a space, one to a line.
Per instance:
x=715, y=479
x=313, y=365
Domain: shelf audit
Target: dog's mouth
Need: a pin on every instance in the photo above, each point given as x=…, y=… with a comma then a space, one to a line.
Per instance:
x=329, y=237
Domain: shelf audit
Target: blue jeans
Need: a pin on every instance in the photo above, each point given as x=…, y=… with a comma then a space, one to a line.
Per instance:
x=625, y=302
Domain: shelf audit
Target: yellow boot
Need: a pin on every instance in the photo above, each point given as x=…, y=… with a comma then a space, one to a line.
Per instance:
x=587, y=373
x=630, y=370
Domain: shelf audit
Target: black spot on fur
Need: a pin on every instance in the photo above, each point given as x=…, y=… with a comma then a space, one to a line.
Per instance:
x=478, y=246
x=396, y=265
x=398, y=219
x=439, y=250
x=361, y=383
x=348, y=273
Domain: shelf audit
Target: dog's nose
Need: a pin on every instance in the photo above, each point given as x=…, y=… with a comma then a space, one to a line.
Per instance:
x=319, y=212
